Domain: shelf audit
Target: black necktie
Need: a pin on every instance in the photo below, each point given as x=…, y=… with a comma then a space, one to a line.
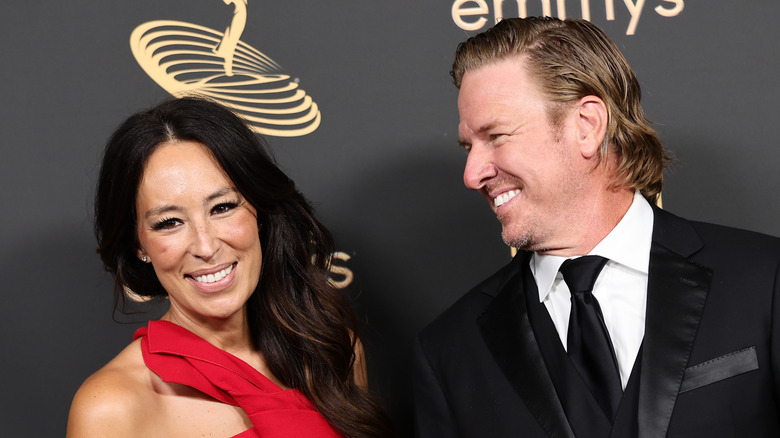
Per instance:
x=589, y=345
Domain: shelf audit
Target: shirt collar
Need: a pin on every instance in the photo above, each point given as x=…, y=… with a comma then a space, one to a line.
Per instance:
x=627, y=244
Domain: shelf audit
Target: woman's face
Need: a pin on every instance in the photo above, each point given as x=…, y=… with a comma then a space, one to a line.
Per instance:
x=198, y=232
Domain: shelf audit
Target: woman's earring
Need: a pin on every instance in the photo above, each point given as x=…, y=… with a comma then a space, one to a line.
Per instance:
x=144, y=259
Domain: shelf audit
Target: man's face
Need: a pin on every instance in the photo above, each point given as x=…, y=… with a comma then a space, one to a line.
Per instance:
x=526, y=168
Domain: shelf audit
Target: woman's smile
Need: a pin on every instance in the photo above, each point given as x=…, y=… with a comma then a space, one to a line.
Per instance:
x=198, y=232
x=213, y=280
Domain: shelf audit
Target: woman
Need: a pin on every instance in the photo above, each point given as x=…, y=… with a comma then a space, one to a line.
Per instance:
x=256, y=342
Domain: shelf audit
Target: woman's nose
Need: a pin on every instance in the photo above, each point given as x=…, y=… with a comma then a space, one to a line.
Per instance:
x=205, y=242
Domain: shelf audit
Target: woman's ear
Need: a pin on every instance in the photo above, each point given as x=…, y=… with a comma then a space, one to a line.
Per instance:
x=591, y=125
x=141, y=253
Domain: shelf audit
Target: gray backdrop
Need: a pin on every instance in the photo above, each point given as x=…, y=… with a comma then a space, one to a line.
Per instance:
x=383, y=169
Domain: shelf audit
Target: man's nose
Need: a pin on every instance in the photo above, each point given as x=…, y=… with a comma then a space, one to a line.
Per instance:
x=479, y=168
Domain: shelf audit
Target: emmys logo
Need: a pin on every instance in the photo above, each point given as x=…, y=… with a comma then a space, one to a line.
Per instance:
x=186, y=59
x=471, y=14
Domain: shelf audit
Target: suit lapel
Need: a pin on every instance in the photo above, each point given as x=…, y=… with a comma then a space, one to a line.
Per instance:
x=676, y=293
x=507, y=332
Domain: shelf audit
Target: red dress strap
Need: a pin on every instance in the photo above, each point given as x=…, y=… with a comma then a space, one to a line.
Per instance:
x=179, y=356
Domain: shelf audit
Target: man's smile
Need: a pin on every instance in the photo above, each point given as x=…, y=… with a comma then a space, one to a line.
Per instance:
x=503, y=198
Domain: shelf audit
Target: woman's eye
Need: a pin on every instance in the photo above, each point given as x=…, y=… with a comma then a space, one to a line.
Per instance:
x=166, y=224
x=224, y=207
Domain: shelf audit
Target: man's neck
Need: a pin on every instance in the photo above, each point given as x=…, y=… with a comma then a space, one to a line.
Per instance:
x=600, y=215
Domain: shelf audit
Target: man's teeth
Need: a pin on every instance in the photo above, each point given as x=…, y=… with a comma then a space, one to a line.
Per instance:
x=211, y=278
x=505, y=197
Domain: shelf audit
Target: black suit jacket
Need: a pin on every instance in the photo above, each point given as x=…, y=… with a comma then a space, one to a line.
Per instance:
x=710, y=362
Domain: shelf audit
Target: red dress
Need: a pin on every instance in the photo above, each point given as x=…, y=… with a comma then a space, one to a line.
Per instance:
x=179, y=356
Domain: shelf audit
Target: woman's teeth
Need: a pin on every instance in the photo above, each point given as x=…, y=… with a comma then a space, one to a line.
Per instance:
x=211, y=278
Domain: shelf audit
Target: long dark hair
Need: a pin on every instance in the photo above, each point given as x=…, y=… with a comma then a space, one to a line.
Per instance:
x=303, y=326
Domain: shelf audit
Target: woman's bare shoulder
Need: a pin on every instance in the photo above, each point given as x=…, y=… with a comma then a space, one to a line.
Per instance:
x=115, y=400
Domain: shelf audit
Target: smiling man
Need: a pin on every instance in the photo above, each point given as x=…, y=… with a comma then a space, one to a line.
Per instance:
x=615, y=319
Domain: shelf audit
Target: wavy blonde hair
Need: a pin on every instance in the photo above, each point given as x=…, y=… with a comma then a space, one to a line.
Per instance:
x=571, y=59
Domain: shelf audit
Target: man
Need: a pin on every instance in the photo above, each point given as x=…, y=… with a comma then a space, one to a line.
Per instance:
x=679, y=335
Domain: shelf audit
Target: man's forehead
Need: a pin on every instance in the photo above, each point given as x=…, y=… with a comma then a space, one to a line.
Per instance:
x=488, y=111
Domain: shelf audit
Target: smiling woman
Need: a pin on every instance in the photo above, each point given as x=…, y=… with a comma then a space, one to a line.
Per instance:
x=256, y=341
x=199, y=234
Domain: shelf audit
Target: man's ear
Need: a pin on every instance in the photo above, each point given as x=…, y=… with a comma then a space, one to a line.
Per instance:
x=591, y=125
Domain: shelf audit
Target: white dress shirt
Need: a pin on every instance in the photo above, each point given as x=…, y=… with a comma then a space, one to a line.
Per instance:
x=621, y=288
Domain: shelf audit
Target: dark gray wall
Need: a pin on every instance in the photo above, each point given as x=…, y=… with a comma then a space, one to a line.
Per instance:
x=383, y=168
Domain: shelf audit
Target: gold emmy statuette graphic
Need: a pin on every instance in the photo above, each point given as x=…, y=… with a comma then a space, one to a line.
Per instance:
x=189, y=59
